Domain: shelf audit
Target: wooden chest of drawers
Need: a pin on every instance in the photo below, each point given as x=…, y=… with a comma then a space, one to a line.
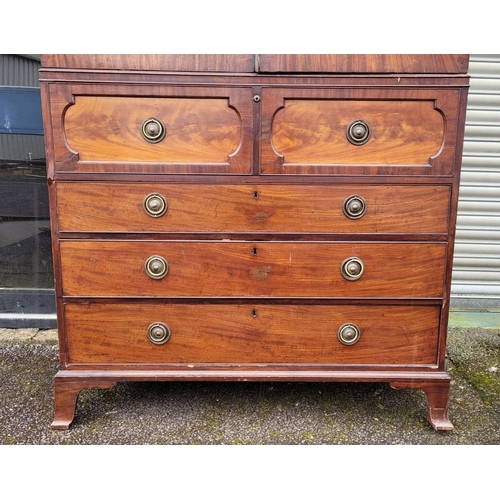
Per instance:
x=271, y=217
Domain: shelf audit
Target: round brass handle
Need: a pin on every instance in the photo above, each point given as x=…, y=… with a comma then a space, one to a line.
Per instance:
x=358, y=132
x=354, y=206
x=153, y=130
x=156, y=267
x=159, y=333
x=155, y=205
x=352, y=268
x=349, y=334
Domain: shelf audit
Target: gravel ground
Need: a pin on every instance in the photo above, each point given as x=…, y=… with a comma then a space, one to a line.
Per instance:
x=181, y=413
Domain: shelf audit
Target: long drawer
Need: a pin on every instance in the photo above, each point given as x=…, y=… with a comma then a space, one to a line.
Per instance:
x=251, y=333
x=146, y=207
x=251, y=269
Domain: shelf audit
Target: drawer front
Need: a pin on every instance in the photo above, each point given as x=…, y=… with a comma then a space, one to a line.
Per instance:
x=176, y=130
x=328, y=131
x=118, y=333
x=251, y=269
x=202, y=208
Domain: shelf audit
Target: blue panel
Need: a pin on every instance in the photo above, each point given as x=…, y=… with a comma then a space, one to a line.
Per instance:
x=20, y=111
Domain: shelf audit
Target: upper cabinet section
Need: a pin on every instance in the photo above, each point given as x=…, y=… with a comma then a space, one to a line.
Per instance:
x=231, y=114
x=362, y=63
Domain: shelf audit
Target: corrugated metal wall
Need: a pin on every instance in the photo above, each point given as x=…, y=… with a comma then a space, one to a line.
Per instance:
x=19, y=71
x=476, y=270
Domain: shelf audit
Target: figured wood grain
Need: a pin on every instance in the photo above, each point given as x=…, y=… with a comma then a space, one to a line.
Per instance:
x=314, y=132
x=109, y=129
x=251, y=269
x=151, y=62
x=412, y=131
x=207, y=208
x=97, y=128
x=251, y=333
x=363, y=63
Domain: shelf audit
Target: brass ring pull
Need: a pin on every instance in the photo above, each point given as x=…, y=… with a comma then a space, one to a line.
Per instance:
x=153, y=130
x=352, y=268
x=156, y=267
x=159, y=333
x=358, y=132
x=354, y=207
x=155, y=205
x=349, y=334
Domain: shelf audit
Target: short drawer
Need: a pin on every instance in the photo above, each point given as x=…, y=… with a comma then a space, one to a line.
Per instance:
x=155, y=333
x=359, y=131
x=157, y=129
x=204, y=208
x=251, y=269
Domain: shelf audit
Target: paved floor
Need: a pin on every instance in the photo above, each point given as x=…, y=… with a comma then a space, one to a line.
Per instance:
x=248, y=413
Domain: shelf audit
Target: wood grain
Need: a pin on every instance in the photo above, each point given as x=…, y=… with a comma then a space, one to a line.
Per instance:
x=363, y=63
x=224, y=208
x=255, y=168
x=412, y=131
x=253, y=333
x=98, y=128
x=109, y=129
x=314, y=132
x=280, y=63
x=251, y=269
x=148, y=62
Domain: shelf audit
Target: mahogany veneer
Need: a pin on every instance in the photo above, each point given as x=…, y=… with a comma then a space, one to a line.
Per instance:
x=253, y=217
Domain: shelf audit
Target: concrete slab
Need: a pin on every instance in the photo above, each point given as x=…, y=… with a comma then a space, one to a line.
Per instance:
x=248, y=413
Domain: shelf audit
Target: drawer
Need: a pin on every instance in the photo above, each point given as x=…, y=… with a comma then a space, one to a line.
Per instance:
x=118, y=333
x=176, y=130
x=203, y=208
x=378, y=131
x=251, y=269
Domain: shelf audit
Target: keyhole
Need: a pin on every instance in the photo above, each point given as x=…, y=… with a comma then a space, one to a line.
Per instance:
x=255, y=194
x=254, y=250
x=254, y=313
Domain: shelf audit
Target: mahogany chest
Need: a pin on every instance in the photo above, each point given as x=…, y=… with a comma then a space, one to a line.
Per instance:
x=253, y=217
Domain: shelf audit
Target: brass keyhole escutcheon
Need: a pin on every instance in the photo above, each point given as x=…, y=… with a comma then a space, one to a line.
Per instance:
x=352, y=268
x=358, y=132
x=354, y=206
x=159, y=333
x=153, y=130
x=349, y=334
x=155, y=205
x=156, y=267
